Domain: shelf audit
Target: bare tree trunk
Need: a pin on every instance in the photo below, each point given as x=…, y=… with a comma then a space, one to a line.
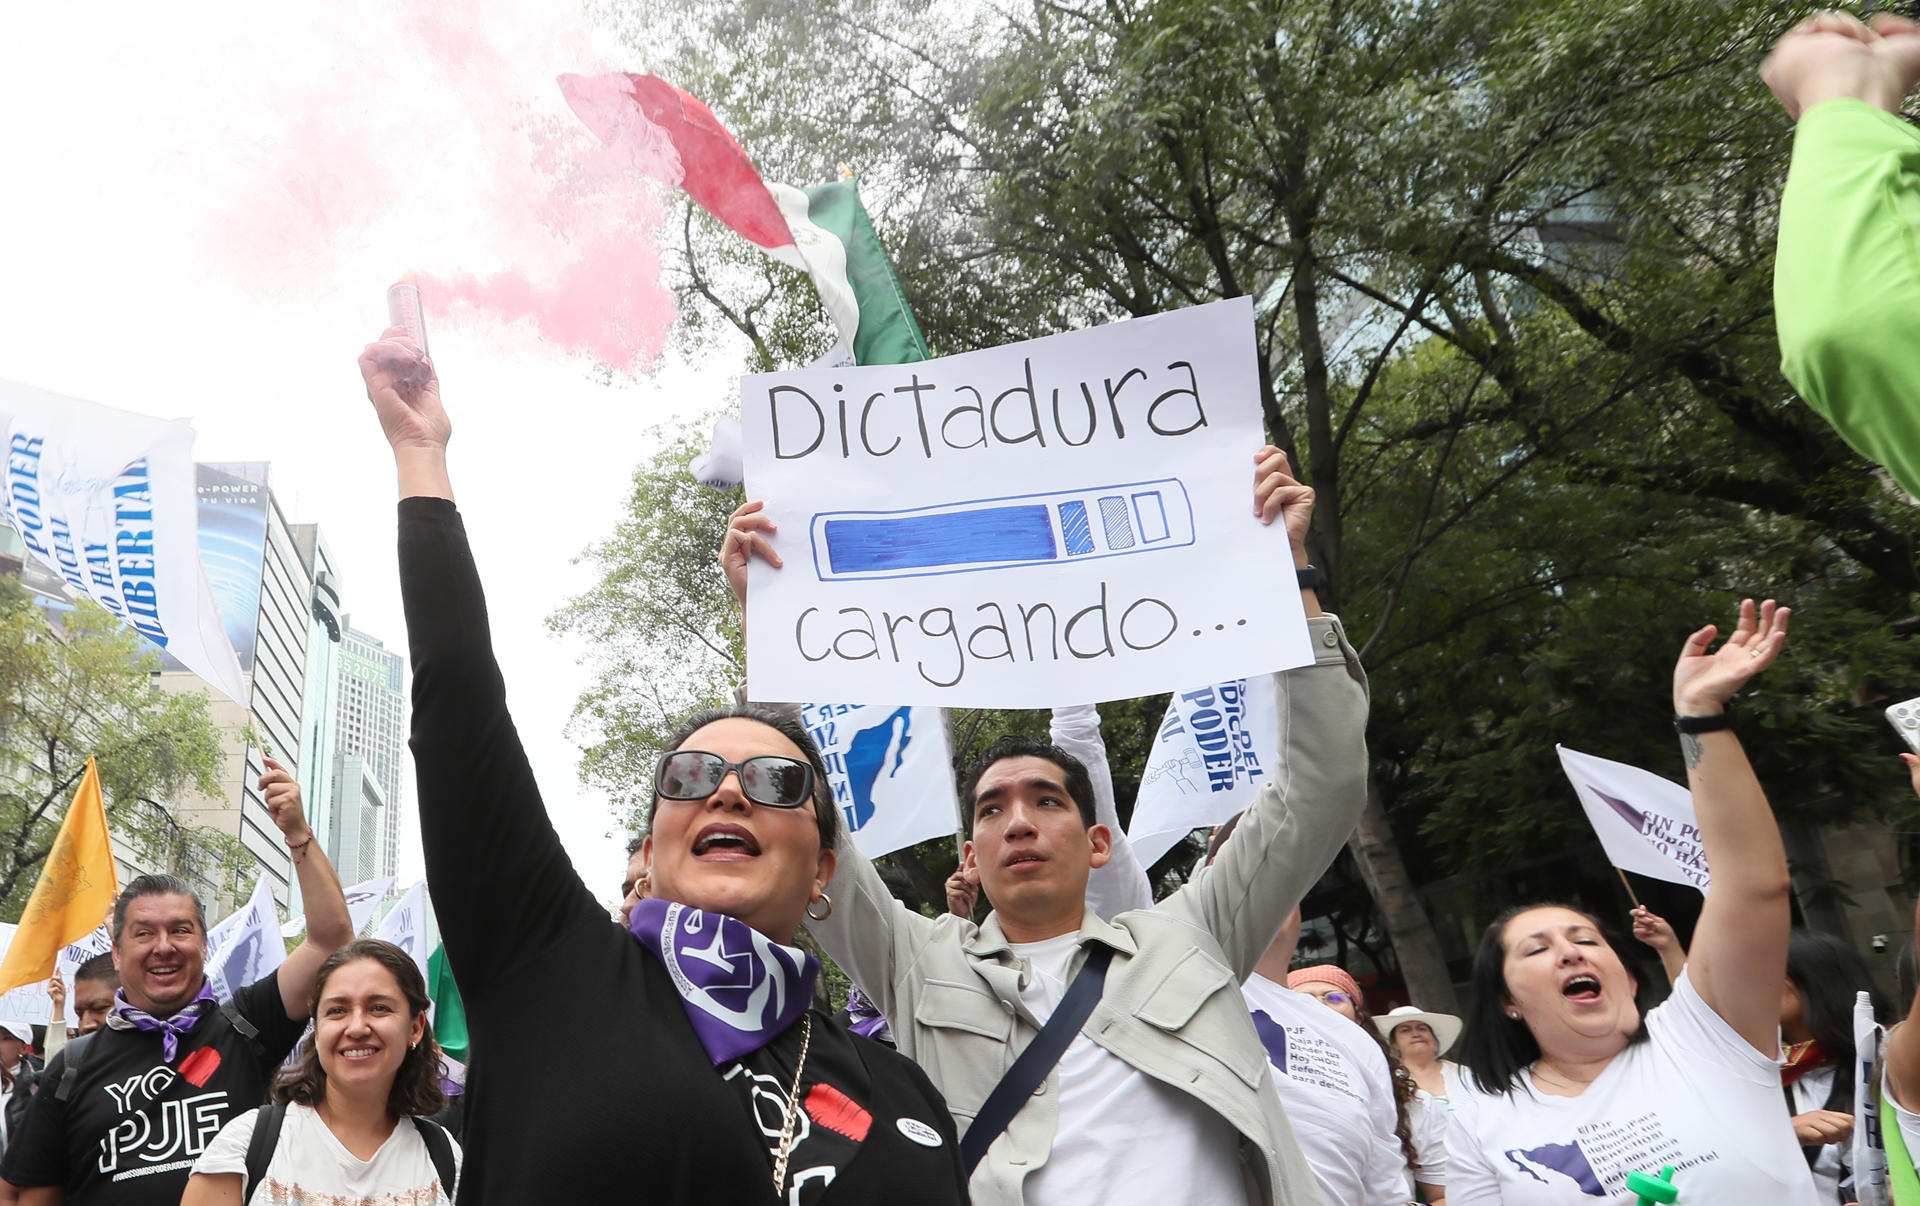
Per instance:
x=1415, y=943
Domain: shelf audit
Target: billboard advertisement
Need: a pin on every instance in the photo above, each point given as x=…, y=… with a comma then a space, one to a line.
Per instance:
x=233, y=547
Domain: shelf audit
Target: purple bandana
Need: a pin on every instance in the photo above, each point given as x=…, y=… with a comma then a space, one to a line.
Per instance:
x=864, y=1017
x=740, y=989
x=127, y=1016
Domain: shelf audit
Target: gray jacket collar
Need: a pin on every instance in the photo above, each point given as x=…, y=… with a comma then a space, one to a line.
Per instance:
x=990, y=941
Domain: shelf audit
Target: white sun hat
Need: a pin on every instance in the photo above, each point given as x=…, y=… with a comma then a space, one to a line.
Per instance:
x=1446, y=1027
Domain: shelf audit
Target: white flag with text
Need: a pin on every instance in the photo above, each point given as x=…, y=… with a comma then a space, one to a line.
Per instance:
x=1645, y=822
x=106, y=499
x=1216, y=746
x=890, y=770
x=247, y=945
x=405, y=925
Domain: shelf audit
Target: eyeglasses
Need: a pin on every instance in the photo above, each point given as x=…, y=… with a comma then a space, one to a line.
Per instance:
x=1332, y=998
x=774, y=780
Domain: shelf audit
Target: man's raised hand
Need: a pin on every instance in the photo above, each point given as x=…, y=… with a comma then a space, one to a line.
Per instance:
x=1277, y=494
x=747, y=533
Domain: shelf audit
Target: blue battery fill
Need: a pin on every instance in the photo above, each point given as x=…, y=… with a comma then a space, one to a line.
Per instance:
x=1022, y=533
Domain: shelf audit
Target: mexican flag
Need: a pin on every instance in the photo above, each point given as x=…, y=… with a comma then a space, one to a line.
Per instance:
x=449, y=1014
x=822, y=230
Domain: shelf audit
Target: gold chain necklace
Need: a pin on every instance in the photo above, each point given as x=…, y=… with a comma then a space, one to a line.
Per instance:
x=793, y=1109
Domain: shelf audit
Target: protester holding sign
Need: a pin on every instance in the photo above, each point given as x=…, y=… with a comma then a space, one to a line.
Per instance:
x=713, y=1080
x=1176, y=1051
x=122, y=1113
x=1570, y=1089
x=1846, y=284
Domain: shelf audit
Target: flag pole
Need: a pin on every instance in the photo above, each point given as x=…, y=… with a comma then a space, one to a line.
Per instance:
x=1629, y=888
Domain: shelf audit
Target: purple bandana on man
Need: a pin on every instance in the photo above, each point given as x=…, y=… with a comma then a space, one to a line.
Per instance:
x=740, y=989
x=128, y=1016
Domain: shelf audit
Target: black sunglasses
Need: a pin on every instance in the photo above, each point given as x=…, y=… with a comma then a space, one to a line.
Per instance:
x=774, y=780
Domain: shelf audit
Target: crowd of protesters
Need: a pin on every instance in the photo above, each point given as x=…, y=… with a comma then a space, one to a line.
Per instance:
x=1080, y=1043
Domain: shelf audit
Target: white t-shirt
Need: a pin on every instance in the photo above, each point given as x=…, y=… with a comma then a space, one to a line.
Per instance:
x=1427, y=1119
x=1810, y=1093
x=1908, y=1120
x=1694, y=1095
x=1338, y=1093
x=1123, y=1136
x=312, y=1168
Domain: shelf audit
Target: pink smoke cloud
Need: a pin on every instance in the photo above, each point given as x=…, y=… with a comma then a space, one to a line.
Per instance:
x=429, y=136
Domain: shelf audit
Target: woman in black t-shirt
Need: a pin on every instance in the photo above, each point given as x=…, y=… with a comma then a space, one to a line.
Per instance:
x=709, y=1077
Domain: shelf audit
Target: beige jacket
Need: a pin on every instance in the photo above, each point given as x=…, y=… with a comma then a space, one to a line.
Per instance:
x=1172, y=1006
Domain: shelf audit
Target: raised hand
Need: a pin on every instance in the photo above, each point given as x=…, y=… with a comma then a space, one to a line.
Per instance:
x=961, y=895
x=282, y=796
x=747, y=533
x=1277, y=494
x=1703, y=682
x=1836, y=54
x=1652, y=929
x=57, y=992
x=405, y=392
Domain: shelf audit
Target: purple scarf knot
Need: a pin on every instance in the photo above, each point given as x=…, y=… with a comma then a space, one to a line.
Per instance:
x=864, y=1017
x=128, y=1016
x=740, y=988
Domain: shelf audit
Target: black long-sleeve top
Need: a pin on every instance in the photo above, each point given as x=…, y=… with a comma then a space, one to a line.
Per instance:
x=632, y=1110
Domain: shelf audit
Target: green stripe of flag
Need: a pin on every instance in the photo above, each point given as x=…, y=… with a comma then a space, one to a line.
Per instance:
x=449, y=1012
x=887, y=332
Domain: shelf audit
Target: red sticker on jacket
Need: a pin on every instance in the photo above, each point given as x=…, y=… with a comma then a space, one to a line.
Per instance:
x=836, y=1111
x=196, y=1068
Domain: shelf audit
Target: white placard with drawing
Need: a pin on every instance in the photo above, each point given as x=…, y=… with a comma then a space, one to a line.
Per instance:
x=1064, y=518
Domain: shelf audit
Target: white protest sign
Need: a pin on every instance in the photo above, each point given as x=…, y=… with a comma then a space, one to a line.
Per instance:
x=405, y=925
x=363, y=901
x=1065, y=518
x=1216, y=746
x=247, y=945
x=106, y=499
x=1644, y=822
x=890, y=770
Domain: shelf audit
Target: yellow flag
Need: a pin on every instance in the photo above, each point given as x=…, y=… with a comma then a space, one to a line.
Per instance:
x=75, y=891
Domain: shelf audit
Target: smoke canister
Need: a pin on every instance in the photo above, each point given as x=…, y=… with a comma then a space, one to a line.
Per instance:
x=404, y=310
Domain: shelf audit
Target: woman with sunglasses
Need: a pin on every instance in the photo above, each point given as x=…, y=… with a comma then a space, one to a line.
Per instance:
x=707, y=1075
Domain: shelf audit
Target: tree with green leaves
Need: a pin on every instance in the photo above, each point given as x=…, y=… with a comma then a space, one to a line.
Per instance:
x=1511, y=268
x=85, y=689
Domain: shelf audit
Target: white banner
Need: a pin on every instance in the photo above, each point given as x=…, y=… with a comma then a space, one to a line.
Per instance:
x=30, y=1002
x=105, y=499
x=246, y=946
x=1645, y=822
x=1065, y=518
x=1216, y=746
x=405, y=925
x=1869, y=1152
x=890, y=770
x=363, y=901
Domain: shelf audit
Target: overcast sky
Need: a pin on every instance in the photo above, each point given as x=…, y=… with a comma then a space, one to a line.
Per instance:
x=205, y=204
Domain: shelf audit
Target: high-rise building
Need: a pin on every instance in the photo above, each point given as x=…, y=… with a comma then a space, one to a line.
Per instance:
x=370, y=702
x=326, y=628
x=265, y=590
x=357, y=820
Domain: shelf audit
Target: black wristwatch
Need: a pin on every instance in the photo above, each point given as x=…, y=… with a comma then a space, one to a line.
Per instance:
x=1310, y=577
x=1704, y=724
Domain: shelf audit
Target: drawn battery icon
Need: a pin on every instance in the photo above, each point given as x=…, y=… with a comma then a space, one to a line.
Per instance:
x=1000, y=533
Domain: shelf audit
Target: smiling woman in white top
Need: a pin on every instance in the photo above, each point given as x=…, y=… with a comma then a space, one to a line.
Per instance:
x=353, y=1101
x=1569, y=1091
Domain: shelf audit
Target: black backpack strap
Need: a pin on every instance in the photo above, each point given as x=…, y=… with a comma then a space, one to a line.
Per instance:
x=1030, y=1070
x=441, y=1149
x=266, y=1137
x=246, y=1029
x=75, y=1051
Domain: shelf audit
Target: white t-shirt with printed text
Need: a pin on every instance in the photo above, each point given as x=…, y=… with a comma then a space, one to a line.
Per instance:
x=1338, y=1093
x=1123, y=1136
x=310, y=1167
x=1693, y=1095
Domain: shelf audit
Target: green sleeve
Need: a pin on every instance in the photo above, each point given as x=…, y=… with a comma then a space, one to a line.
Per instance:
x=1846, y=280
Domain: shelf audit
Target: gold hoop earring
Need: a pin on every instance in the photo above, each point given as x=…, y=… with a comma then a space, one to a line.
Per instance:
x=825, y=900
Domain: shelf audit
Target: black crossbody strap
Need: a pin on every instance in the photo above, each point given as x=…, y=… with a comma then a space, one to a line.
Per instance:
x=1030, y=1070
x=266, y=1137
x=440, y=1148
